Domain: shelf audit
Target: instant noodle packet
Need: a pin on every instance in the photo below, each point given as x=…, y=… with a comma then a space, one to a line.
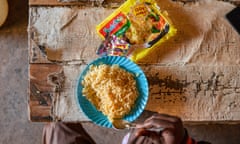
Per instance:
x=114, y=46
x=138, y=22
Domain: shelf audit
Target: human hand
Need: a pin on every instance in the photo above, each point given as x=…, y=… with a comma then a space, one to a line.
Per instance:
x=173, y=131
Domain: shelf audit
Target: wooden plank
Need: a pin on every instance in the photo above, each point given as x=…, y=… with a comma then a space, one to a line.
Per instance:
x=41, y=91
x=193, y=75
x=235, y=2
x=77, y=41
x=51, y=2
x=106, y=3
x=109, y=3
x=194, y=93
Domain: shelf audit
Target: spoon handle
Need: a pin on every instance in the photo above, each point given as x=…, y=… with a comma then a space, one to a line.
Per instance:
x=157, y=130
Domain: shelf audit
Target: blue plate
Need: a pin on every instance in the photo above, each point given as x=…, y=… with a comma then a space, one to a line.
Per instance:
x=142, y=85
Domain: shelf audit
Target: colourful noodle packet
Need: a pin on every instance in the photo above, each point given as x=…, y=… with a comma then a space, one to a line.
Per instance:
x=141, y=24
x=114, y=46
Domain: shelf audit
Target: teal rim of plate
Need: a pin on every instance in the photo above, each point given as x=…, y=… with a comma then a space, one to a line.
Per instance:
x=97, y=116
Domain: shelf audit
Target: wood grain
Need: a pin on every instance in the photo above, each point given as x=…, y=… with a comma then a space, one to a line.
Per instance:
x=108, y=3
x=41, y=92
x=196, y=80
x=97, y=2
x=50, y=2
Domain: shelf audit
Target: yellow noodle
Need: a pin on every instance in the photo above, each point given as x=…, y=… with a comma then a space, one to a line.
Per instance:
x=110, y=89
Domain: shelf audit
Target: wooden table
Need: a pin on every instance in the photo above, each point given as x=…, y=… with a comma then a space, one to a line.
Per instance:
x=63, y=39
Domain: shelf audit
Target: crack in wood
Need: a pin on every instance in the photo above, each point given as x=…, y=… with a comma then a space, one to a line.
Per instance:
x=57, y=80
x=39, y=95
x=74, y=16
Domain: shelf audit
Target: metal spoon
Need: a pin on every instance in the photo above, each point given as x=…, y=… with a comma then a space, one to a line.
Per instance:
x=121, y=124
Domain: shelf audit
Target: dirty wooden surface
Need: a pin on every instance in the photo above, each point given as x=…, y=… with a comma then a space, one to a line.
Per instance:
x=111, y=3
x=41, y=91
x=193, y=75
x=106, y=3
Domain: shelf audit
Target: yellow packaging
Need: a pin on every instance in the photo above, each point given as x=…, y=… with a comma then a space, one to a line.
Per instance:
x=141, y=23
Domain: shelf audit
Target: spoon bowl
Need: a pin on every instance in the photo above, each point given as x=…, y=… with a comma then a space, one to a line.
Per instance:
x=121, y=124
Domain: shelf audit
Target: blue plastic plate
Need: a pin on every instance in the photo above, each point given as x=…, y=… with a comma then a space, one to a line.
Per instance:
x=142, y=85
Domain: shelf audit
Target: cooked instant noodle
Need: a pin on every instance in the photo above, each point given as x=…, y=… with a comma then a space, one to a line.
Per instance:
x=110, y=89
